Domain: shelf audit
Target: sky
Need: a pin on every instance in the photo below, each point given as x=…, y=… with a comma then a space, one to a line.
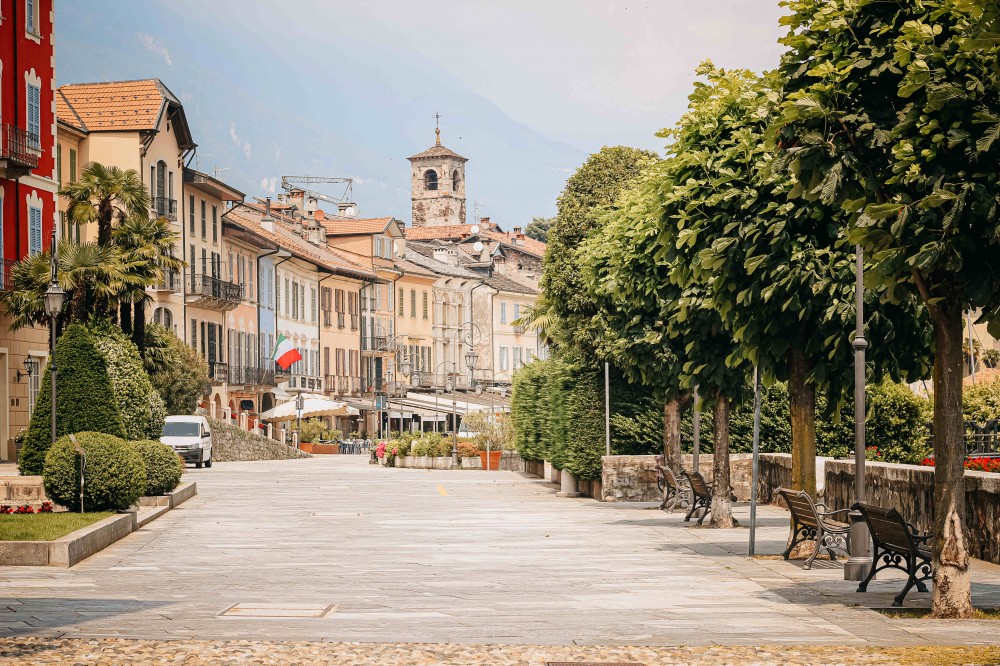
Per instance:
x=525, y=89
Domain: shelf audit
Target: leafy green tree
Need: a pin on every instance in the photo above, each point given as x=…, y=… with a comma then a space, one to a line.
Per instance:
x=181, y=381
x=892, y=111
x=85, y=399
x=538, y=228
x=103, y=195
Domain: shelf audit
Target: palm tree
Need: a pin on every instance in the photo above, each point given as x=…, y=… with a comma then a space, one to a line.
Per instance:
x=104, y=195
x=147, y=246
x=537, y=318
x=87, y=272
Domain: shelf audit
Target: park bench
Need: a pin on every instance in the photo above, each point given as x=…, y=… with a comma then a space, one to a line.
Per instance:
x=809, y=523
x=673, y=492
x=896, y=543
x=701, y=495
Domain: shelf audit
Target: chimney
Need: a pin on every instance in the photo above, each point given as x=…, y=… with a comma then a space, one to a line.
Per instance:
x=484, y=222
x=517, y=231
x=267, y=221
x=440, y=254
x=500, y=265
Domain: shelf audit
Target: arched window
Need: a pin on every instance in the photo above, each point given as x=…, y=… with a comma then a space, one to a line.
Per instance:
x=430, y=179
x=454, y=181
x=164, y=317
x=161, y=179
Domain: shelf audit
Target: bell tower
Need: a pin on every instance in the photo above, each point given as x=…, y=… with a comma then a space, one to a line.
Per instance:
x=437, y=185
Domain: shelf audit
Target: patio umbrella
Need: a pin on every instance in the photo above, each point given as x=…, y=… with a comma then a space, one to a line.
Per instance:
x=313, y=407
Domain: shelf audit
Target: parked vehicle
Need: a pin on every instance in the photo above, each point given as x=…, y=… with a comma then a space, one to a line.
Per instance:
x=190, y=437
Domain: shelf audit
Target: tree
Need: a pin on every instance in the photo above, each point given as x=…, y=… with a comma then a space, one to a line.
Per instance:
x=85, y=401
x=588, y=195
x=182, y=381
x=892, y=112
x=538, y=228
x=103, y=195
x=147, y=245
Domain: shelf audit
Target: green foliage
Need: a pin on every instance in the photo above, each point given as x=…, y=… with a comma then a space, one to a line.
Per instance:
x=312, y=430
x=182, y=380
x=85, y=400
x=981, y=402
x=529, y=410
x=163, y=466
x=142, y=408
x=539, y=227
x=114, y=477
x=467, y=450
x=497, y=432
x=435, y=445
x=589, y=194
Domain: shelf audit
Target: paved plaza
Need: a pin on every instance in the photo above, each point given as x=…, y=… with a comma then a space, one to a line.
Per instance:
x=333, y=549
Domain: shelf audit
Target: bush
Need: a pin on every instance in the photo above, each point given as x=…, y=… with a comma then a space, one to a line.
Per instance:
x=981, y=402
x=141, y=407
x=183, y=376
x=85, y=398
x=312, y=430
x=114, y=478
x=163, y=466
x=467, y=450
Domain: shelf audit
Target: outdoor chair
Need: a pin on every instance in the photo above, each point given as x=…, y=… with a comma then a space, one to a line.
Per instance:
x=811, y=524
x=673, y=492
x=897, y=545
x=701, y=495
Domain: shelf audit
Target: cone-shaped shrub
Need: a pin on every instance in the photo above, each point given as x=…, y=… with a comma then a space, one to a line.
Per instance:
x=141, y=406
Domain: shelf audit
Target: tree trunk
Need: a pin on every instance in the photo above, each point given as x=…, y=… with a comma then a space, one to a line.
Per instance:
x=125, y=310
x=139, y=327
x=104, y=215
x=952, y=595
x=722, y=491
x=802, y=406
x=672, y=434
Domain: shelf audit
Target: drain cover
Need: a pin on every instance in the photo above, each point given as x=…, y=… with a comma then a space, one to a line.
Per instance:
x=291, y=611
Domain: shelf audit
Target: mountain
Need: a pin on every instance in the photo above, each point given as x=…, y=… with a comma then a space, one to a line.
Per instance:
x=270, y=94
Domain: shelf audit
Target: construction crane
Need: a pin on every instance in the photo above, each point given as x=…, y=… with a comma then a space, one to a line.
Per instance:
x=345, y=206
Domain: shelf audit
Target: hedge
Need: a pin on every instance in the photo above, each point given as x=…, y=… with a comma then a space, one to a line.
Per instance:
x=142, y=409
x=85, y=399
x=163, y=466
x=114, y=477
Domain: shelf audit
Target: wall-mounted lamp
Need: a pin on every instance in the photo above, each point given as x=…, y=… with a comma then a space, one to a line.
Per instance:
x=30, y=368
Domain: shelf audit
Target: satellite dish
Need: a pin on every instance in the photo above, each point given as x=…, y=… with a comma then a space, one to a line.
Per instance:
x=478, y=246
x=479, y=389
x=350, y=211
x=475, y=229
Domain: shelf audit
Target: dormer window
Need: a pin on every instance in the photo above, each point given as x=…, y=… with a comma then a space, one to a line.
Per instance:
x=430, y=179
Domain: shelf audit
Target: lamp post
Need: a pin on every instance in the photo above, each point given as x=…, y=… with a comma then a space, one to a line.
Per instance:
x=54, y=298
x=857, y=566
x=471, y=358
x=450, y=387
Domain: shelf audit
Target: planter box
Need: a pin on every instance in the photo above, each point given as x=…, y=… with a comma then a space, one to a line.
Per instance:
x=474, y=462
x=441, y=463
x=494, y=462
x=320, y=449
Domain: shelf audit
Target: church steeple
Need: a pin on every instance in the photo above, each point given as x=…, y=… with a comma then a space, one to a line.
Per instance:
x=438, y=184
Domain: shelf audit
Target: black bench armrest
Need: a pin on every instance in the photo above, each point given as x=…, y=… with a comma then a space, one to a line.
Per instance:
x=831, y=513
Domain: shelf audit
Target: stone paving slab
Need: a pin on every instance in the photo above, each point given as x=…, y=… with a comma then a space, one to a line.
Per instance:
x=495, y=559
x=195, y=653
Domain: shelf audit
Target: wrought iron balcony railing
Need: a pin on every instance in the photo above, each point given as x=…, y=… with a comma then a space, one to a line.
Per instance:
x=218, y=372
x=19, y=148
x=249, y=375
x=165, y=207
x=5, y=266
x=213, y=291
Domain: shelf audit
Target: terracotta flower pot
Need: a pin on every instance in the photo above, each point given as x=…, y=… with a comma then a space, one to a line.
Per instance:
x=494, y=462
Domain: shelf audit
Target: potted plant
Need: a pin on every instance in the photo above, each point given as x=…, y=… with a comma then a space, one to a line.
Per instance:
x=495, y=434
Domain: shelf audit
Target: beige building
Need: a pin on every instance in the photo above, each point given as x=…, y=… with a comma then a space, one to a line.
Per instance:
x=437, y=185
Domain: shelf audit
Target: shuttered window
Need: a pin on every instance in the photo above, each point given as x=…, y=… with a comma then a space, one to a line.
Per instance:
x=34, y=231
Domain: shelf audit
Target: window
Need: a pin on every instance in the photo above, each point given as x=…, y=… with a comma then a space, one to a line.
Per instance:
x=250, y=296
x=503, y=313
x=517, y=358
x=215, y=223
x=35, y=385
x=194, y=334
x=338, y=306
x=425, y=305
x=34, y=116
x=454, y=181
x=312, y=293
x=287, y=297
x=503, y=358
x=191, y=214
x=164, y=317
x=216, y=265
x=34, y=231
x=161, y=182
x=430, y=179
x=517, y=311
x=59, y=163
x=378, y=246
x=302, y=302
x=72, y=165
x=401, y=303
x=31, y=16
x=378, y=297
x=204, y=221
x=204, y=261
x=295, y=300
x=413, y=303
x=232, y=268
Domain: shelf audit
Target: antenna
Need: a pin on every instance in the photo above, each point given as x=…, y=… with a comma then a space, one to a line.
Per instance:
x=476, y=207
x=197, y=160
x=216, y=171
x=345, y=204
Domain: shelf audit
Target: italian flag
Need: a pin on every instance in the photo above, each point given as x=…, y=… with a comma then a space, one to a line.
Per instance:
x=285, y=353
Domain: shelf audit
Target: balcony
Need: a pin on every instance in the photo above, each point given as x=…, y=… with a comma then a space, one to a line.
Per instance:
x=212, y=292
x=374, y=343
x=5, y=266
x=379, y=386
x=218, y=372
x=164, y=207
x=19, y=151
x=171, y=281
x=251, y=375
x=305, y=383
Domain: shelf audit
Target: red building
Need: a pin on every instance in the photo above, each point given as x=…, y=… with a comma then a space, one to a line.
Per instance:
x=28, y=184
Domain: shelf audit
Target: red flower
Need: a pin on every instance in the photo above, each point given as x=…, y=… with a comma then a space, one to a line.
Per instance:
x=45, y=508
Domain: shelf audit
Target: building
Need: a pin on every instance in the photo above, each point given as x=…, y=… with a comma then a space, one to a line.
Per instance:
x=437, y=186
x=28, y=184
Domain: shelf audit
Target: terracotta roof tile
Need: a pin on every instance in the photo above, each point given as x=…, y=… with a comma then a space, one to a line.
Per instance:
x=460, y=231
x=65, y=113
x=438, y=151
x=113, y=105
x=350, y=227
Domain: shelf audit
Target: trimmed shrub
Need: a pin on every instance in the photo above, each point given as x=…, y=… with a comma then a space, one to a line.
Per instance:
x=163, y=466
x=312, y=430
x=467, y=450
x=114, y=478
x=85, y=398
x=981, y=402
x=142, y=409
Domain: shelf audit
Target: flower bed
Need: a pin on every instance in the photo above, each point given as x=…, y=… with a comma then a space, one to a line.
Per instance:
x=46, y=507
x=974, y=464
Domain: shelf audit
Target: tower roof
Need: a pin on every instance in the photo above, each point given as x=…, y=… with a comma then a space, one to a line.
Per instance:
x=438, y=151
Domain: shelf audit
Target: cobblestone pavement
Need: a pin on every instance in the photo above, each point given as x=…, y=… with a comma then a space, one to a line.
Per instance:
x=332, y=549
x=191, y=653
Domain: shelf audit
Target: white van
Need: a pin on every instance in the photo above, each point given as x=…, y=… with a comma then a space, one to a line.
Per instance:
x=190, y=437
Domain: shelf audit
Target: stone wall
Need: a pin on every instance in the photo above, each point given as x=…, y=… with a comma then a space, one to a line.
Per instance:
x=511, y=461
x=775, y=472
x=910, y=489
x=230, y=443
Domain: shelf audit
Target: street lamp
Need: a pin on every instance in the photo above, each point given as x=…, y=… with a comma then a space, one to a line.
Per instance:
x=450, y=387
x=54, y=299
x=857, y=566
